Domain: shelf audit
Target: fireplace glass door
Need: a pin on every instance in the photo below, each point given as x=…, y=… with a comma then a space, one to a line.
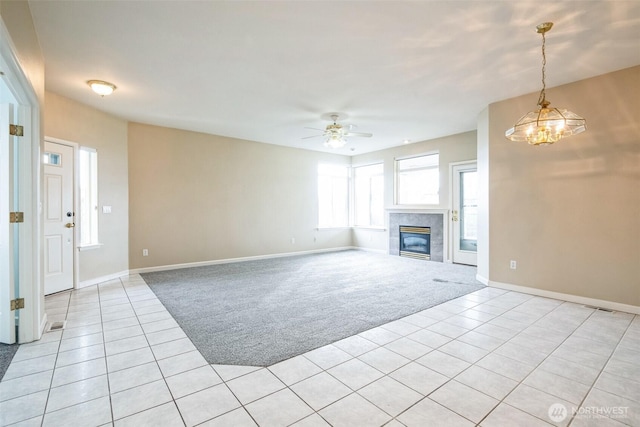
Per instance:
x=415, y=242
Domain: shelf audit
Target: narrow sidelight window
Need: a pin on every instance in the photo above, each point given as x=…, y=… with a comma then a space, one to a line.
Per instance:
x=88, y=196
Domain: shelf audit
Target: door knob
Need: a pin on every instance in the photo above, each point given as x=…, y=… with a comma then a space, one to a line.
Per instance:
x=70, y=224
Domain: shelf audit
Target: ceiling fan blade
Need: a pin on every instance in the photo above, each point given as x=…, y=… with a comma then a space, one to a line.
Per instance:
x=366, y=135
x=312, y=136
x=321, y=130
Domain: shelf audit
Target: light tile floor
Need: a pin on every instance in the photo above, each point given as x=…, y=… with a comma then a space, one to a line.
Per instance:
x=490, y=358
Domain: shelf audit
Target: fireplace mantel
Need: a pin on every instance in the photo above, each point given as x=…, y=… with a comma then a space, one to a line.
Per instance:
x=437, y=219
x=410, y=209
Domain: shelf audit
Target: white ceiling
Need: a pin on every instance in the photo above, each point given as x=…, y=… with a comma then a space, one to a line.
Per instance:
x=264, y=70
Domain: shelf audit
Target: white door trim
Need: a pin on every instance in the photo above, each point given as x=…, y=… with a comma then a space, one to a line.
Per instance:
x=33, y=316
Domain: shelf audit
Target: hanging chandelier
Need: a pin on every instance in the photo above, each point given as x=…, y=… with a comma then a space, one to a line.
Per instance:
x=546, y=125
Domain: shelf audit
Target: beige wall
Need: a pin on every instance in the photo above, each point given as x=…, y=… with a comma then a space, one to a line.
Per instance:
x=196, y=197
x=569, y=213
x=16, y=16
x=454, y=148
x=71, y=121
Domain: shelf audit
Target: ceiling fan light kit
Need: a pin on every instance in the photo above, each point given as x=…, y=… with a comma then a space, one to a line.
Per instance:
x=545, y=125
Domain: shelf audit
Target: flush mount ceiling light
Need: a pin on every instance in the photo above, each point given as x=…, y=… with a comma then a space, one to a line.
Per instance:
x=101, y=87
x=546, y=125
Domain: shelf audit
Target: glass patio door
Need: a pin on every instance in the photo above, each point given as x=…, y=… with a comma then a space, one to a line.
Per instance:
x=465, y=214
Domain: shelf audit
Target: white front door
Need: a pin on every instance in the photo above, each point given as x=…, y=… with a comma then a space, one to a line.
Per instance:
x=465, y=213
x=59, y=217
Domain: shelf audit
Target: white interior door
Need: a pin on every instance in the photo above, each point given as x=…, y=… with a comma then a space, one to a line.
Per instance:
x=59, y=217
x=7, y=285
x=465, y=214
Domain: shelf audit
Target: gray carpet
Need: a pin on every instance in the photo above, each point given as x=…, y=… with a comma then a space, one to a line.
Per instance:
x=261, y=312
x=7, y=351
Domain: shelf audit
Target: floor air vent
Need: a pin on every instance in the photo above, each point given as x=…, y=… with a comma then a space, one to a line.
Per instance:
x=55, y=326
x=599, y=308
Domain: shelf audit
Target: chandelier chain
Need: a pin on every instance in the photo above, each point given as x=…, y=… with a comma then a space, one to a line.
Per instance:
x=542, y=97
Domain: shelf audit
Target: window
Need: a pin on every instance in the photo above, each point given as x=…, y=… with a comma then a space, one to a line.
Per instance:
x=53, y=159
x=418, y=180
x=333, y=196
x=368, y=189
x=88, y=196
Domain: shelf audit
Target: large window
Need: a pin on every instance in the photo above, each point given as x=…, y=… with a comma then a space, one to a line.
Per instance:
x=418, y=180
x=333, y=195
x=369, y=195
x=88, y=196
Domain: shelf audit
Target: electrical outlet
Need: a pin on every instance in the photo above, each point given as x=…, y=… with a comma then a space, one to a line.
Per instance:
x=293, y=240
x=513, y=265
x=145, y=252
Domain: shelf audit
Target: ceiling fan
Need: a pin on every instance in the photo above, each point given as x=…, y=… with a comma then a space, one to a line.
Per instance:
x=336, y=134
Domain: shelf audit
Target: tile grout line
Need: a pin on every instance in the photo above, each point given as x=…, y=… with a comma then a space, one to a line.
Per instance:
x=474, y=364
x=443, y=384
x=106, y=365
x=573, y=416
x=53, y=372
x=155, y=361
x=453, y=378
x=536, y=367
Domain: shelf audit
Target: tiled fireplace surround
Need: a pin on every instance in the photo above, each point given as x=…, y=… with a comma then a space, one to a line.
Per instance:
x=434, y=219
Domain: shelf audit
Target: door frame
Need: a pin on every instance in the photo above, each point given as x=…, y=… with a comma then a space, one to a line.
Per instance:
x=76, y=206
x=32, y=317
x=452, y=166
x=7, y=235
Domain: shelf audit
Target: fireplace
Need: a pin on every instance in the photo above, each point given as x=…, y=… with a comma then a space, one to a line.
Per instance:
x=415, y=242
x=436, y=220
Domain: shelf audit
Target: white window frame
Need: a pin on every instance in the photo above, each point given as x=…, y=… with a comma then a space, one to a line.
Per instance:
x=396, y=177
x=89, y=236
x=369, y=224
x=325, y=170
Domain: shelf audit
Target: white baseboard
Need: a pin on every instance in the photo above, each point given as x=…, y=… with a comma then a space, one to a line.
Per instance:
x=230, y=260
x=43, y=325
x=610, y=305
x=101, y=279
x=377, y=251
x=482, y=280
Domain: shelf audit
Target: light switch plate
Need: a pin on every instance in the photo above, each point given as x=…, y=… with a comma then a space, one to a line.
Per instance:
x=106, y=209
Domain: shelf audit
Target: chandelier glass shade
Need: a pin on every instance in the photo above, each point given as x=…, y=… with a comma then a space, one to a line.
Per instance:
x=335, y=141
x=545, y=125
